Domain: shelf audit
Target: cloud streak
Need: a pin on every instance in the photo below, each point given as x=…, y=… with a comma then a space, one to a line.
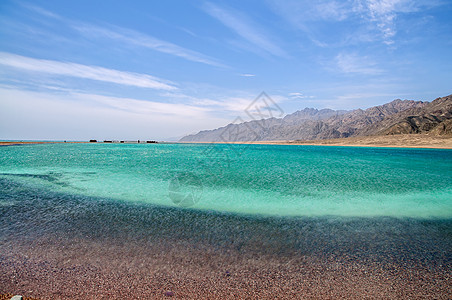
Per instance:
x=243, y=26
x=231, y=105
x=132, y=37
x=80, y=116
x=40, y=10
x=84, y=71
x=352, y=63
x=376, y=17
x=129, y=37
x=247, y=75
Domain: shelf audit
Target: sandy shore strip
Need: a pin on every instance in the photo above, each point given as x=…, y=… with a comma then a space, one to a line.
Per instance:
x=390, y=141
x=7, y=143
x=10, y=143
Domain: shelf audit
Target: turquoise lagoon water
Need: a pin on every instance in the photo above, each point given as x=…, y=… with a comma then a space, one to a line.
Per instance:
x=244, y=179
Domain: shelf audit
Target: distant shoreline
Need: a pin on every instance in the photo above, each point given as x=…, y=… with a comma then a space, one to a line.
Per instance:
x=387, y=141
x=18, y=143
x=10, y=143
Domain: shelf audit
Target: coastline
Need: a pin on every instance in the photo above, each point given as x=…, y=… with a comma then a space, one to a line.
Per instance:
x=389, y=141
x=5, y=143
x=15, y=143
x=386, y=141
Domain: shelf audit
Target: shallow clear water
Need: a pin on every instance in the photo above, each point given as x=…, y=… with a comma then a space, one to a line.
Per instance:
x=244, y=179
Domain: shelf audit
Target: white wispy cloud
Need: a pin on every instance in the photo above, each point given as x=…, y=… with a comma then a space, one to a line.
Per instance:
x=84, y=71
x=302, y=12
x=145, y=107
x=130, y=105
x=228, y=104
x=132, y=37
x=353, y=63
x=383, y=14
x=244, y=27
x=129, y=37
x=377, y=18
x=297, y=95
x=330, y=10
x=59, y=116
x=234, y=104
x=40, y=10
x=247, y=75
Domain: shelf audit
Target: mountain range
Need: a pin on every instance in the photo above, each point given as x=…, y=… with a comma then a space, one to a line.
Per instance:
x=396, y=117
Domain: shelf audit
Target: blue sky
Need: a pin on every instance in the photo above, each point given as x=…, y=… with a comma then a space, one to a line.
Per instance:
x=77, y=70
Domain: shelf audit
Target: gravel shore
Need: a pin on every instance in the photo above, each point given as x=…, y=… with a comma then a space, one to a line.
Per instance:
x=57, y=246
x=51, y=269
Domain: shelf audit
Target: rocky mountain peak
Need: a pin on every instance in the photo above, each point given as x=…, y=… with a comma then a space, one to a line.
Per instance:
x=396, y=117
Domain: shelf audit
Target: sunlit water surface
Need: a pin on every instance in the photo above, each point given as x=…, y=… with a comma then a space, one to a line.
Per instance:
x=311, y=181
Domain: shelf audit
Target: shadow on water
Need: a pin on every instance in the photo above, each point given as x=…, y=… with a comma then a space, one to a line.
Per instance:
x=51, y=177
x=32, y=213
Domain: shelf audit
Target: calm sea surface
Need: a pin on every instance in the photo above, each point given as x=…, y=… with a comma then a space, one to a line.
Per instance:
x=269, y=180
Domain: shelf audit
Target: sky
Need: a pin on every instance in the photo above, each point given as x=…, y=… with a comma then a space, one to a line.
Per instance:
x=79, y=70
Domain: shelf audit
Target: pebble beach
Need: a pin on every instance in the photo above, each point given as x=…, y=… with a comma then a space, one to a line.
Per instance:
x=91, y=254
